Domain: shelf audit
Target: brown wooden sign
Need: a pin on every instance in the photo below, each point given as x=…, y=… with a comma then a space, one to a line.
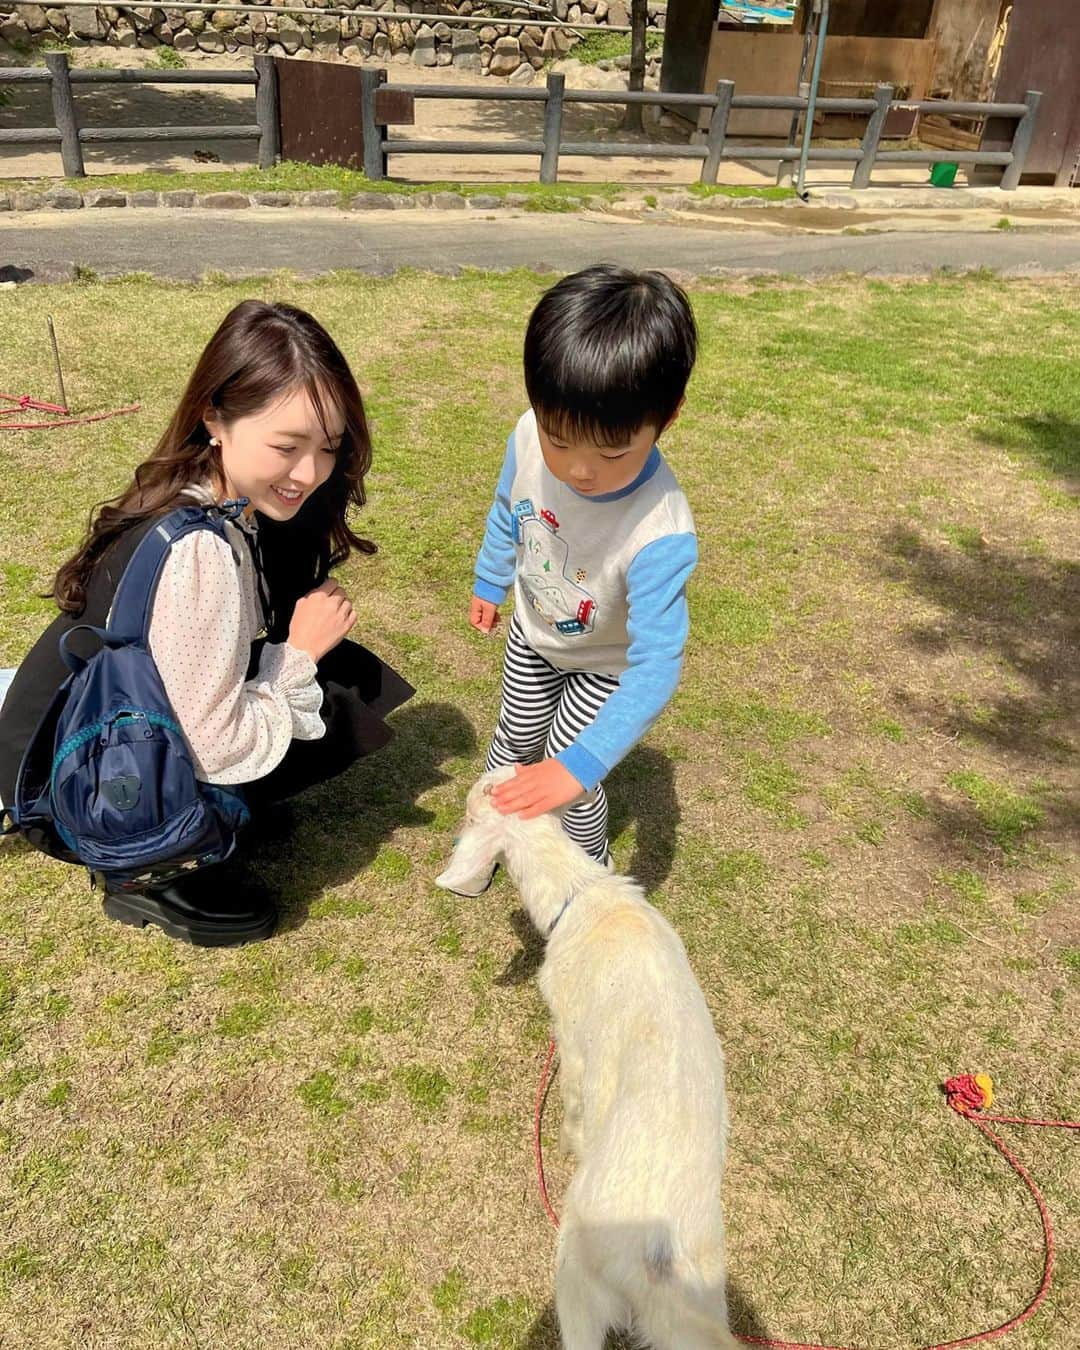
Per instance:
x=394, y=106
x=320, y=113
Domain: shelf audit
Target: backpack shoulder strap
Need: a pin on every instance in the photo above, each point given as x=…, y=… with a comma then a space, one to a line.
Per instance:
x=129, y=618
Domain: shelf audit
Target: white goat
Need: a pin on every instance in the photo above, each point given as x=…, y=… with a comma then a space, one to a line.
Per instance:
x=641, y=1243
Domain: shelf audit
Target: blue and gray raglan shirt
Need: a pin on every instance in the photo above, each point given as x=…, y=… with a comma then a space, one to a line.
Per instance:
x=599, y=585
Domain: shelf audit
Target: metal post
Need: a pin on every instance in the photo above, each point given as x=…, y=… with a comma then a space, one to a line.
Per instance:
x=266, y=110
x=59, y=369
x=784, y=173
x=815, y=80
x=717, y=133
x=64, y=115
x=1025, y=130
x=549, y=161
x=373, y=131
x=883, y=96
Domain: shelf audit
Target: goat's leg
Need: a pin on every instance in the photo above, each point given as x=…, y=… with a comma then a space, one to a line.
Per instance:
x=586, y=1307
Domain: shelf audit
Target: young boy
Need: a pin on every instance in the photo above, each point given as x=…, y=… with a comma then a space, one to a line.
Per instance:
x=592, y=531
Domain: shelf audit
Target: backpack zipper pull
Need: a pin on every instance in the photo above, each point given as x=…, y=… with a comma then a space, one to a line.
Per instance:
x=125, y=715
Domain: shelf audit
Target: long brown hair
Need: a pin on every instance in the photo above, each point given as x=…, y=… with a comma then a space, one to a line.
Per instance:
x=259, y=354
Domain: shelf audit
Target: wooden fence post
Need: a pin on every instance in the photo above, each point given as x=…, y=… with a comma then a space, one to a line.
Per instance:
x=64, y=115
x=549, y=162
x=1025, y=130
x=883, y=96
x=267, y=114
x=372, y=130
x=717, y=134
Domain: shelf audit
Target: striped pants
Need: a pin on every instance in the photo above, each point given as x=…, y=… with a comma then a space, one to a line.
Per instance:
x=543, y=710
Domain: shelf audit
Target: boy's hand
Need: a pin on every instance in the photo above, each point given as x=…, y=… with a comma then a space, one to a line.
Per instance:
x=483, y=615
x=536, y=788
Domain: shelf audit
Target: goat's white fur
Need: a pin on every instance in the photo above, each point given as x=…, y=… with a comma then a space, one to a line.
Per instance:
x=641, y=1242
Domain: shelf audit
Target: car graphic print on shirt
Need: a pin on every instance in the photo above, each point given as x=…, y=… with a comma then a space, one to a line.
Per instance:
x=560, y=602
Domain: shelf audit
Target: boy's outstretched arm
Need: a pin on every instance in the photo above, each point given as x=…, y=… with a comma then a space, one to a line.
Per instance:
x=495, y=562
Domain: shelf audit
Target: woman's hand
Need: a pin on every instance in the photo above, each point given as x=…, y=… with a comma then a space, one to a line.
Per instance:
x=536, y=788
x=320, y=620
x=483, y=615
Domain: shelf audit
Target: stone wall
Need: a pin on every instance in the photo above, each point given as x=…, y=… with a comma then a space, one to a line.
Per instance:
x=515, y=50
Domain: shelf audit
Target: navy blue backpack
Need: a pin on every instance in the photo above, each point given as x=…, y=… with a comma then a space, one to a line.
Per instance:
x=108, y=773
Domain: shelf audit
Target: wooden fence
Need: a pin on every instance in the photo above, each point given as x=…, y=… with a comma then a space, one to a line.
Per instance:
x=63, y=81
x=385, y=105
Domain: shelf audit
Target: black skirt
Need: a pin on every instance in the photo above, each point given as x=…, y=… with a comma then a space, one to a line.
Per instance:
x=359, y=691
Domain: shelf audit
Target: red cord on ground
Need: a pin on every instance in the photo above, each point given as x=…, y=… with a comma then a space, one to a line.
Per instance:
x=967, y=1095
x=63, y=419
x=538, y=1150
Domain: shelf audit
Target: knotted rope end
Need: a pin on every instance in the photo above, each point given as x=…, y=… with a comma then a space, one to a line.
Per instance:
x=970, y=1092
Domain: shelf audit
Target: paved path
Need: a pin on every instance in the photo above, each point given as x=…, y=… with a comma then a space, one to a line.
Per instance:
x=185, y=245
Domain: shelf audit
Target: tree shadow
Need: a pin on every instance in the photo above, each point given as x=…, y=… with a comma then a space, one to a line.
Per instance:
x=600, y=123
x=642, y=790
x=1019, y=607
x=742, y=1318
x=144, y=105
x=193, y=105
x=581, y=122
x=524, y=120
x=328, y=835
x=1052, y=441
x=1024, y=610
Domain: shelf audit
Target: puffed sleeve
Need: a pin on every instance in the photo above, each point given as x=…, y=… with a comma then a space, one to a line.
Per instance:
x=237, y=729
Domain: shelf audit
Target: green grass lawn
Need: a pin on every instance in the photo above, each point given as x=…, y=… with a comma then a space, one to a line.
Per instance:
x=860, y=812
x=294, y=177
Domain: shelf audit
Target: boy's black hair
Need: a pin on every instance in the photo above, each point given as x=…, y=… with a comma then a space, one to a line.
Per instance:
x=607, y=351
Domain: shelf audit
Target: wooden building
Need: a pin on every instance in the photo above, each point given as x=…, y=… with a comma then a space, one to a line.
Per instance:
x=965, y=50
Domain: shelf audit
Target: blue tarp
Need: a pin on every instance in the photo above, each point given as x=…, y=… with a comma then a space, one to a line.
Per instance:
x=763, y=13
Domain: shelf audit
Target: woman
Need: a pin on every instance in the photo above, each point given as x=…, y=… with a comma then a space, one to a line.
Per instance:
x=247, y=631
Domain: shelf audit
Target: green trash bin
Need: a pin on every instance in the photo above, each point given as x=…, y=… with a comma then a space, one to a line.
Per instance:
x=943, y=175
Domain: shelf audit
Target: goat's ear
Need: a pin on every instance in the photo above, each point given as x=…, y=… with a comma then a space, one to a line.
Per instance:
x=474, y=856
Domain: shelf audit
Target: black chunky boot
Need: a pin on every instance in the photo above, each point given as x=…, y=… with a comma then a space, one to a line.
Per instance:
x=206, y=908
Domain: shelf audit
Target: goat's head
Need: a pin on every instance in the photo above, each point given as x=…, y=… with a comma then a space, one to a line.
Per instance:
x=484, y=835
x=543, y=862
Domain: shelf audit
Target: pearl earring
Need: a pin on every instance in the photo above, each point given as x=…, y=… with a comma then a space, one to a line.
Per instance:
x=214, y=442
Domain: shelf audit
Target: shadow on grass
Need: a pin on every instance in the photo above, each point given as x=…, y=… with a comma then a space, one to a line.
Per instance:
x=330, y=834
x=742, y=1318
x=640, y=791
x=1052, y=441
x=1021, y=609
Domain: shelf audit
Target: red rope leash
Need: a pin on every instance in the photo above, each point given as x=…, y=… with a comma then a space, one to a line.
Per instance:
x=967, y=1095
x=538, y=1150
x=24, y=401
x=974, y=1092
